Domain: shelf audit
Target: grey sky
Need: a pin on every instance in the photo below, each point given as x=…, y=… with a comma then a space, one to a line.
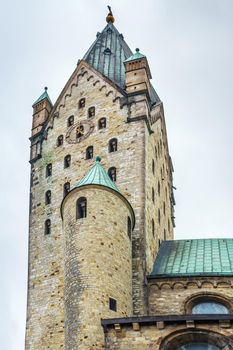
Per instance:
x=189, y=45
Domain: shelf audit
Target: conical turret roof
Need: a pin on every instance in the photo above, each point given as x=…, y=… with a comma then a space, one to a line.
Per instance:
x=45, y=95
x=98, y=176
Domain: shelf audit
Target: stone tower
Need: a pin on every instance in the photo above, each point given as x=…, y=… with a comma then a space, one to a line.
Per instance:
x=96, y=227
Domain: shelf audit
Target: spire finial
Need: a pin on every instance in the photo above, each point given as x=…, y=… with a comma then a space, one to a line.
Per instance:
x=46, y=88
x=137, y=49
x=98, y=159
x=110, y=17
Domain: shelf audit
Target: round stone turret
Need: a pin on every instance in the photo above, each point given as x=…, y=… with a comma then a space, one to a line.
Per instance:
x=97, y=223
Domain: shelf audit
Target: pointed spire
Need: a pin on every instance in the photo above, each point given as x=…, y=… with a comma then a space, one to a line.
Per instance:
x=43, y=97
x=98, y=176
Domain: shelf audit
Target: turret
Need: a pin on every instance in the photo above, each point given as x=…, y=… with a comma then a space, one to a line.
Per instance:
x=97, y=224
x=138, y=75
x=41, y=109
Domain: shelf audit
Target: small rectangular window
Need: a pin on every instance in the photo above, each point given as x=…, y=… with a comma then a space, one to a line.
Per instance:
x=112, y=304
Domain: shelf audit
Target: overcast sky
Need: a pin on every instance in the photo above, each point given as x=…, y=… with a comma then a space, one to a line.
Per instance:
x=189, y=46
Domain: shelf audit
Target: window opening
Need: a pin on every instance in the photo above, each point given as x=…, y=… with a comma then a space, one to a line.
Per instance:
x=112, y=146
x=81, y=208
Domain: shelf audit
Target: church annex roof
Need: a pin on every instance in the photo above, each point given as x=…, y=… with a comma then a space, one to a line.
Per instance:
x=194, y=257
x=98, y=176
x=108, y=53
x=45, y=95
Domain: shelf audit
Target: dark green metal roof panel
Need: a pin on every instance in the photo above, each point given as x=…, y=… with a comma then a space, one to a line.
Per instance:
x=98, y=176
x=136, y=56
x=45, y=95
x=197, y=257
x=108, y=53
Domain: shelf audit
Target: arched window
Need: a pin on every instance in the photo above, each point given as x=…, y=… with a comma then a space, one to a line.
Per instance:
x=60, y=140
x=129, y=227
x=47, y=227
x=102, y=123
x=48, y=197
x=91, y=112
x=89, y=152
x=112, y=145
x=67, y=161
x=209, y=307
x=198, y=346
x=112, y=173
x=158, y=188
x=159, y=217
x=81, y=208
x=81, y=103
x=66, y=189
x=153, y=227
x=153, y=195
x=153, y=166
x=49, y=169
x=70, y=121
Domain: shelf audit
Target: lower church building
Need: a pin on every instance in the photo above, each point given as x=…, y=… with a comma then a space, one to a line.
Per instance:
x=105, y=272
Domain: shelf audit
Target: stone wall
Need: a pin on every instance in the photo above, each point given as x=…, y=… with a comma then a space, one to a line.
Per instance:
x=98, y=265
x=45, y=311
x=177, y=292
x=167, y=336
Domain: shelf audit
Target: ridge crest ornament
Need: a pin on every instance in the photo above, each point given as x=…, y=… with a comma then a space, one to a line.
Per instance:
x=79, y=131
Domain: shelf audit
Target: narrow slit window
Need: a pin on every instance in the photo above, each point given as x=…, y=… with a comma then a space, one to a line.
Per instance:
x=112, y=173
x=47, y=227
x=70, y=121
x=153, y=166
x=89, y=152
x=91, y=112
x=81, y=208
x=153, y=227
x=48, y=197
x=159, y=218
x=158, y=188
x=102, y=123
x=112, y=304
x=48, y=169
x=112, y=146
x=129, y=227
x=66, y=189
x=67, y=161
x=153, y=195
x=60, y=140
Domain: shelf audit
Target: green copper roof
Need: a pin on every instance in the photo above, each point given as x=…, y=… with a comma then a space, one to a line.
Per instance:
x=108, y=53
x=137, y=55
x=194, y=257
x=43, y=96
x=98, y=176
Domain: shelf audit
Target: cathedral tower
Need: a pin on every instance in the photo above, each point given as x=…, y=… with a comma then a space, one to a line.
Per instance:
x=96, y=227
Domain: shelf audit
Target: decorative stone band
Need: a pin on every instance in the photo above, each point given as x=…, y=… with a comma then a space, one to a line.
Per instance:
x=166, y=319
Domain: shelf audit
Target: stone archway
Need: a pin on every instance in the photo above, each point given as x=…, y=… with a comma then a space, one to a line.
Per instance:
x=175, y=340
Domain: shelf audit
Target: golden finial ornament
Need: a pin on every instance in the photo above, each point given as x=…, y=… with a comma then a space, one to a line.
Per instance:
x=110, y=17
